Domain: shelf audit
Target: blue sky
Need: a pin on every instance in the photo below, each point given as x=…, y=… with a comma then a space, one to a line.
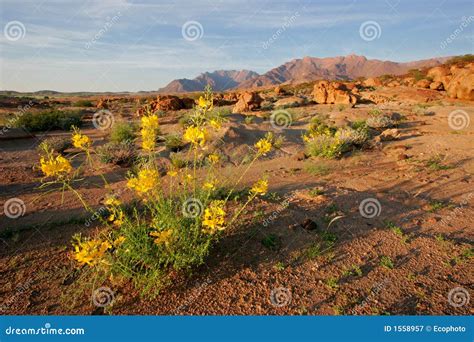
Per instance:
x=118, y=45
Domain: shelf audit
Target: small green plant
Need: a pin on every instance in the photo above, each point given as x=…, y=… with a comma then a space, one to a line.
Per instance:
x=386, y=261
x=249, y=119
x=332, y=283
x=436, y=206
x=83, y=103
x=174, y=142
x=272, y=242
x=57, y=144
x=317, y=169
x=121, y=153
x=341, y=107
x=279, y=266
x=374, y=112
x=436, y=163
x=354, y=270
x=177, y=161
x=122, y=132
x=440, y=238
x=316, y=192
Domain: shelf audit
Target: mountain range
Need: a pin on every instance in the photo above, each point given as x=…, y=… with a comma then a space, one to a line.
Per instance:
x=299, y=70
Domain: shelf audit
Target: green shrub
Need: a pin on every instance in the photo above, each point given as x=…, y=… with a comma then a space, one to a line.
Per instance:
x=174, y=142
x=83, y=103
x=48, y=120
x=380, y=121
x=117, y=153
x=122, y=132
x=325, y=146
x=57, y=144
x=350, y=136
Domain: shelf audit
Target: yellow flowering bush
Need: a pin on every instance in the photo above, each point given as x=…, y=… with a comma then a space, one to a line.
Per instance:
x=55, y=166
x=176, y=215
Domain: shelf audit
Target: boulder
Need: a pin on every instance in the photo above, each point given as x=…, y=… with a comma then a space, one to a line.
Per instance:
x=437, y=85
x=248, y=101
x=372, y=82
x=335, y=92
x=280, y=91
x=461, y=85
x=424, y=83
x=167, y=102
x=437, y=73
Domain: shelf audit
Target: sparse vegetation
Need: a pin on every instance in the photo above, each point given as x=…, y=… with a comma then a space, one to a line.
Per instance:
x=49, y=120
x=174, y=142
x=386, y=261
x=117, y=153
x=122, y=132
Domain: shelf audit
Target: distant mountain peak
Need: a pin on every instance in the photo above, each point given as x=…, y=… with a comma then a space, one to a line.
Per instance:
x=305, y=69
x=219, y=80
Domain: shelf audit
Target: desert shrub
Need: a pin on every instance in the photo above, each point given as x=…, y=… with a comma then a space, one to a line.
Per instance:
x=464, y=59
x=326, y=141
x=416, y=74
x=350, y=136
x=117, y=153
x=380, y=121
x=57, y=144
x=171, y=225
x=47, y=120
x=374, y=112
x=122, y=132
x=249, y=119
x=174, y=142
x=325, y=146
x=83, y=103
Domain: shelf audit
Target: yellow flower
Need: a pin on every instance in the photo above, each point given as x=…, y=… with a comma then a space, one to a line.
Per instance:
x=118, y=241
x=195, y=135
x=148, y=139
x=205, y=103
x=172, y=173
x=188, y=178
x=116, y=217
x=145, y=181
x=163, y=237
x=58, y=166
x=90, y=252
x=209, y=185
x=215, y=124
x=260, y=187
x=81, y=141
x=213, y=158
x=213, y=218
x=112, y=202
x=150, y=122
x=148, y=132
x=264, y=146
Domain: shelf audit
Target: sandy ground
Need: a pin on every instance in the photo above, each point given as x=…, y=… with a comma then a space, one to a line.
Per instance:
x=432, y=205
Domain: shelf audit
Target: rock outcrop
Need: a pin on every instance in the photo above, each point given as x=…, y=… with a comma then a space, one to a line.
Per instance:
x=247, y=102
x=333, y=92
